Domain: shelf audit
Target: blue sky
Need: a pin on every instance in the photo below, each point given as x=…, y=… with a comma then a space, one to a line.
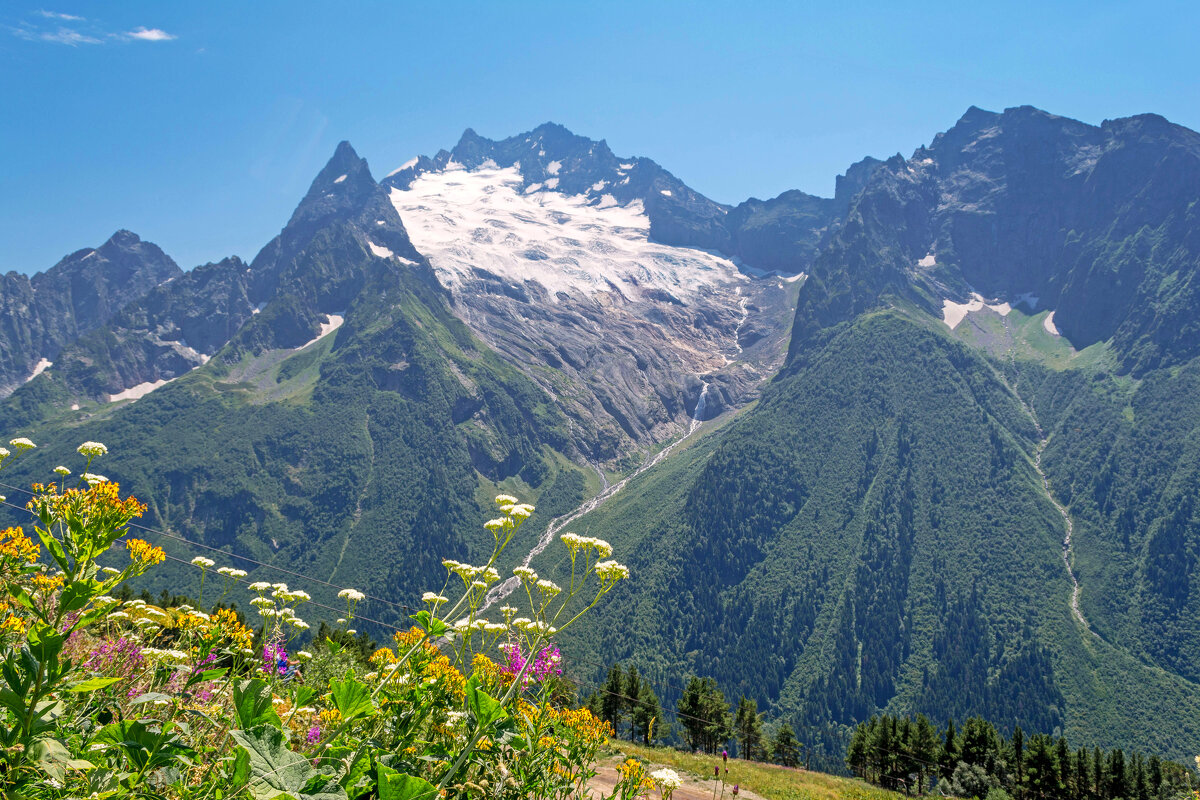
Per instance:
x=199, y=126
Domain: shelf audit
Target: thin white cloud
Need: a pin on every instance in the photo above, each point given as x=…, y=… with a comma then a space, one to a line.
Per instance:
x=65, y=36
x=60, y=15
x=151, y=35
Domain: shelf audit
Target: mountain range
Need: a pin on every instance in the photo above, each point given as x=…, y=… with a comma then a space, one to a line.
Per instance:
x=928, y=445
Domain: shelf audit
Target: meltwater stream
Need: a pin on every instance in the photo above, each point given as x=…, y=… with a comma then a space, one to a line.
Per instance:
x=506, y=588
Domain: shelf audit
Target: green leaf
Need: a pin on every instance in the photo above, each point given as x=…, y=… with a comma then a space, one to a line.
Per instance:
x=427, y=623
x=53, y=758
x=485, y=708
x=252, y=701
x=92, y=684
x=395, y=785
x=275, y=770
x=353, y=699
x=241, y=768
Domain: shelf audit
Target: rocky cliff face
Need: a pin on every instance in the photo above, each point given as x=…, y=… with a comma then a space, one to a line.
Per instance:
x=39, y=315
x=1097, y=223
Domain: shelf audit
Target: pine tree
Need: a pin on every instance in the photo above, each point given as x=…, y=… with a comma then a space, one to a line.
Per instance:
x=632, y=692
x=948, y=759
x=612, y=705
x=1041, y=769
x=785, y=748
x=747, y=728
x=646, y=713
x=924, y=751
x=1018, y=761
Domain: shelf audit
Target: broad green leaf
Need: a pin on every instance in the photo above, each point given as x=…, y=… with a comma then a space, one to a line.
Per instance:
x=275, y=770
x=395, y=785
x=53, y=758
x=353, y=699
x=485, y=708
x=92, y=684
x=252, y=701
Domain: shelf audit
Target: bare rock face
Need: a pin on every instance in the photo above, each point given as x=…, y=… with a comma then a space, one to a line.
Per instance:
x=40, y=315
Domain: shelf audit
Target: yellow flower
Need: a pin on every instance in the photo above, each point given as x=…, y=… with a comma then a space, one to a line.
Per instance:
x=47, y=583
x=144, y=553
x=12, y=624
x=330, y=717
x=16, y=545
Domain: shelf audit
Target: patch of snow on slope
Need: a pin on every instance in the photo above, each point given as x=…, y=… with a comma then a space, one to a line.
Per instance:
x=379, y=250
x=598, y=185
x=568, y=243
x=928, y=261
x=954, y=313
x=665, y=192
x=412, y=162
x=331, y=324
x=553, y=167
x=39, y=368
x=137, y=392
x=339, y=179
x=1048, y=324
x=551, y=183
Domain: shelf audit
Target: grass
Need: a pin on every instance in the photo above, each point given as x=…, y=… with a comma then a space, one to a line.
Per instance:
x=768, y=780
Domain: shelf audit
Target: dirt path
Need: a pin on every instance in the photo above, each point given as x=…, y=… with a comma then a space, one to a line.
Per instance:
x=606, y=778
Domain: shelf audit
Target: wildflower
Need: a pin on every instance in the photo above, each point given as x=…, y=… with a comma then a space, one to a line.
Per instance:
x=262, y=602
x=282, y=587
x=110, y=570
x=16, y=545
x=21, y=443
x=105, y=600
x=353, y=595
x=478, y=585
x=260, y=586
x=92, y=479
x=611, y=571
x=526, y=574
x=304, y=655
x=62, y=471
x=144, y=553
x=202, y=562
x=667, y=779
x=314, y=735
x=224, y=570
x=118, y=615
x=92, y=449
x=298, y=624
x=436, y=599
x=237, y=573
x=4, y=453
x=505, y=500
x=521, y=511
x=549, y=588
x=47, y=583
x=495, y=627
x=352, y=631
x=497, y=524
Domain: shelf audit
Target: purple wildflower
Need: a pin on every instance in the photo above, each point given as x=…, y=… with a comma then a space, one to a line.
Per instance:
x=548, y=662
x=275, y=659
x=314, y=733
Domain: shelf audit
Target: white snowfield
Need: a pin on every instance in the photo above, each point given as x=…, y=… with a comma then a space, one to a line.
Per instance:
x=137, y=392
x=42, y=365
x=379, y=250
x=1048, y=324
x=331, y=324
x=954, y=313
x=462, y=220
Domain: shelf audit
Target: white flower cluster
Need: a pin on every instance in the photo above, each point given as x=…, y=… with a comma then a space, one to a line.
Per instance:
x=529, y=626
x=4, y=453
x=526, y=574
x=498, y=524
x=202, y=562
x=575, y=543
x=230, y=572
x=611, y=571
x=177, y=656
x=21, y=443
x=436, y=599
x=512, y=507
x=667, y=778
x=62, y=471
x=92, y=449
x=469, y=573
x=352, y=595
x=91, y=478
x=548, y=588
x=285, y=595
x=259, y=586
